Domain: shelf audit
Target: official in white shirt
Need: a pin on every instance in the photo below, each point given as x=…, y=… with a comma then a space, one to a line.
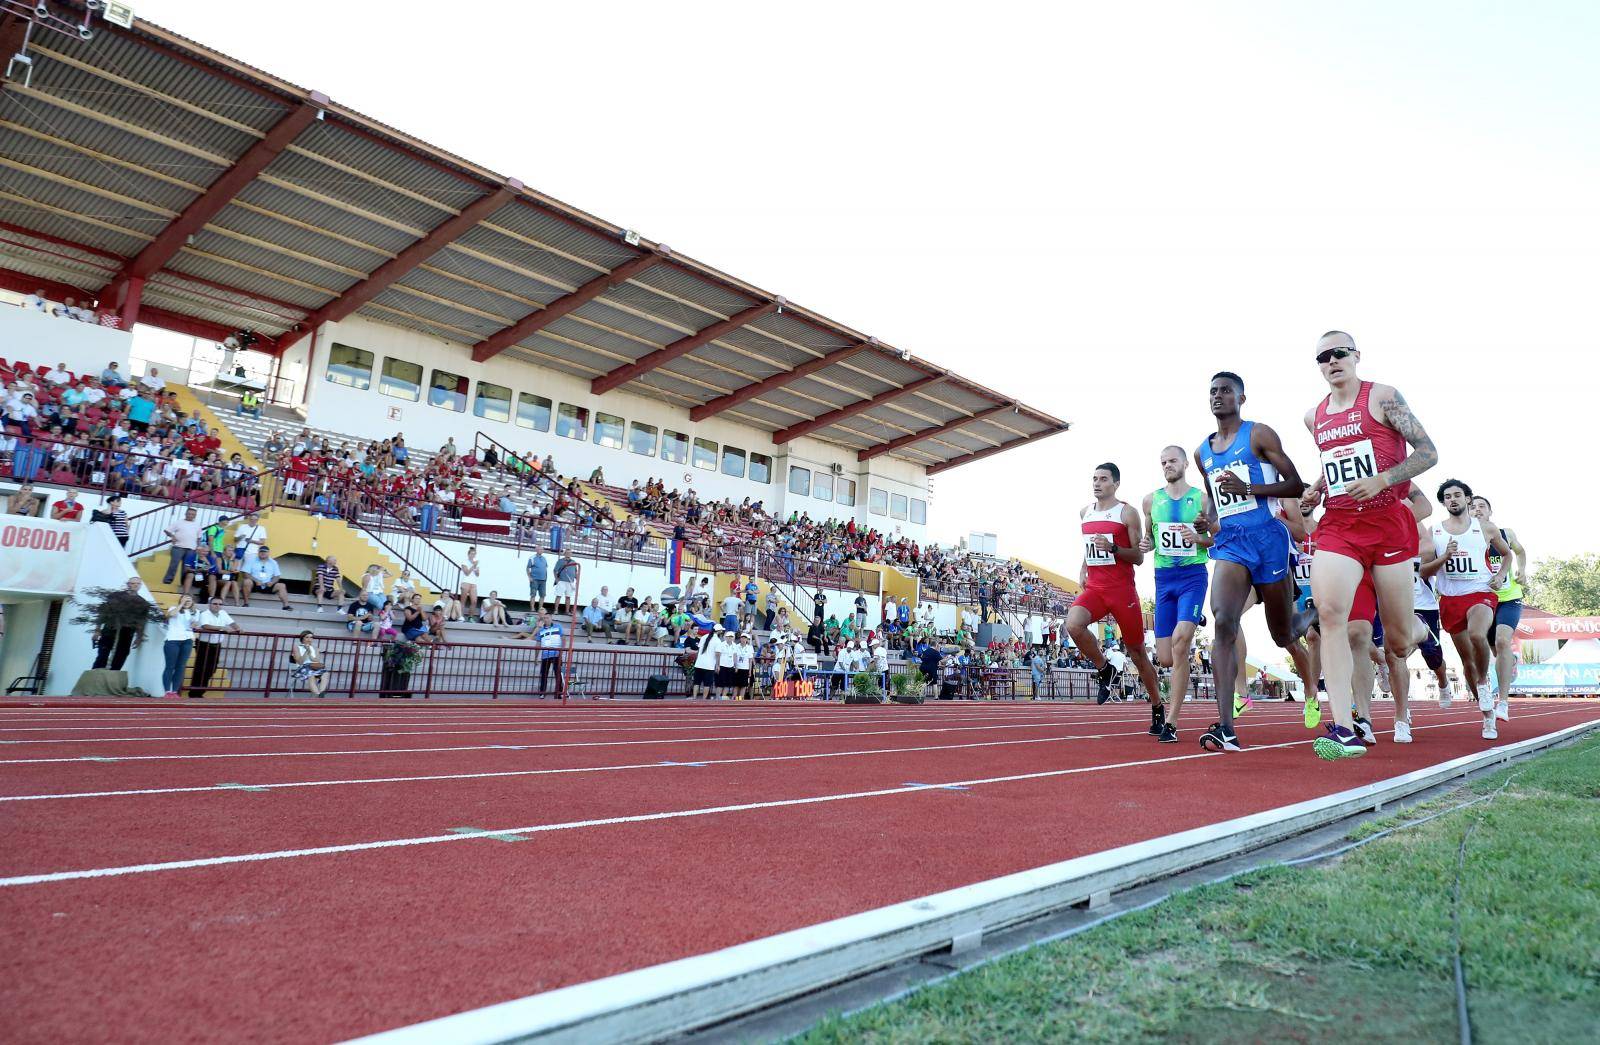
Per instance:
x=213, y=625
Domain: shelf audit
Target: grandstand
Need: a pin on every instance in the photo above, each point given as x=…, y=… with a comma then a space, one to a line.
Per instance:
x=384, y=287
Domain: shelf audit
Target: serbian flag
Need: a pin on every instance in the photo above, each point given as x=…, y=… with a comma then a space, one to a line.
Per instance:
x=485, y=520
x=674, y=562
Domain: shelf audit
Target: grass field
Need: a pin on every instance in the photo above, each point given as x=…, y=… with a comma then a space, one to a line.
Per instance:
x=1358, y=947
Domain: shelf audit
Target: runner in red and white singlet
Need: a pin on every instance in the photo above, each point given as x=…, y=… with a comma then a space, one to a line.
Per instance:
x=1362, y=429
x=1110, y=552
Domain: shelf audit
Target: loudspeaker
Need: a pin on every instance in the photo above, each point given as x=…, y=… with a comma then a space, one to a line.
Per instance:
x=994, y=631
x=656, y=688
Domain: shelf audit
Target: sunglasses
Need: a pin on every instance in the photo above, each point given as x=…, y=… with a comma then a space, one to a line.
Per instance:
x=1334, y=353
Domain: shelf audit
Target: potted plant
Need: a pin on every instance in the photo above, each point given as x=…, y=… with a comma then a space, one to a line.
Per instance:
x=109, y=611
x=908, y=687
x=400, y=658
x=864, y=689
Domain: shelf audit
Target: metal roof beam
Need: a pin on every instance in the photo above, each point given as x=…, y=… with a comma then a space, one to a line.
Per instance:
x=906, y=440
x=979, y=455
x=221, y=192
x=681, y=347
x=537, y=320
x=806, y=369
x=394, y=269
x=844, y=412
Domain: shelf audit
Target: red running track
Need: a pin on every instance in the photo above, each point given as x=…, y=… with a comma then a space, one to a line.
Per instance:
x=314, y=876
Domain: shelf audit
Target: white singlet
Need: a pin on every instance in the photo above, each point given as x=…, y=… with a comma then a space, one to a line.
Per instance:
x=1423, y=597
x=1467, y=571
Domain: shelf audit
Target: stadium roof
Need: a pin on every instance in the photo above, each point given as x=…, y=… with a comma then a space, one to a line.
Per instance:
x=191, y=191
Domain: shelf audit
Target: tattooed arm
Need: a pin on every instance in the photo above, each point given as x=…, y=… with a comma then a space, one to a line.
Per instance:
x=1394, y=411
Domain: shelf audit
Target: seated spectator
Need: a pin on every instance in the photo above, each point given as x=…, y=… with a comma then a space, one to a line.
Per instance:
x=327, y=585
x=413, y=622
x=594, y=619
x=264, y=573
x=249, y=403
x=37, y=302
x=112, y=378
x=152, y=381
x=68, y=508
x=58, y=375
x=23, y=501
x=492, y=610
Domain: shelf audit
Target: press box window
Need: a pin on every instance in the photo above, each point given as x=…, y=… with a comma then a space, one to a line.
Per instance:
x=572, y=422
x=493, y=402
x=800, y=481
x=608, y=430
x=674, y=446
x=822, y=487
x=532, y=412
x=401, y=379
x=878, y=501
x=846, y=493
x=919, y=511
x=642, y=439
x=760, y=468
x=897, y=506
x=351, y=367
x=733, y=462
x=705, y=454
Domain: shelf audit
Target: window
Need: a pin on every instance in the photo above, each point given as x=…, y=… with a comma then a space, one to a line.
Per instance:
x=608, y=430
x=822, y=486
x=760, y=468
x=800, y=481
x=733, y=462
x=493, y=402
x=448, y=391
x=897, y=506
x=350, y=366
x=572, y=422
x=401, y=379
x=846, y=493
x=705, y=454
x=642, y=439
x=674, y=446
x=919, y=511
x=877, y=501
x=532, y=412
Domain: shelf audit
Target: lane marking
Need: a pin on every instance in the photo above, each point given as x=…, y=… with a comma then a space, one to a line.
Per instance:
x=488, y=775
x=533, y=829
x=478, y=832
x=241, y=787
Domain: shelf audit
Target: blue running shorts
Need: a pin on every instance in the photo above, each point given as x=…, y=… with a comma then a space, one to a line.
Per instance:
x=1263, y=550
x=1180, y=597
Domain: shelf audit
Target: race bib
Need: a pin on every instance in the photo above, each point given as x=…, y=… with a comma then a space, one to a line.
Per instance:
x=1092, y=553
x=1465, y=567
x=1343, y=465
x=1171, y=540
x=1302, y=569
x=1230, y=503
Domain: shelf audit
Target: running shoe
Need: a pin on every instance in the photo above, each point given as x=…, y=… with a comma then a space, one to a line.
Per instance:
x=1490, y=732
x=1447, y=697
x=1241, y=704
x=1339, y=743
x=1502, y=711
x=1169, y=734
x=1103, y=678
x=1402, y=732
x=1214, y=739
x=1158, y=719
x=1313, y=714
x=1485, y=697
x=1365, y=732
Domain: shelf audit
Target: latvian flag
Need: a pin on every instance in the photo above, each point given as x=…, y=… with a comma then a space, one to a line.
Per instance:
x=485, y=520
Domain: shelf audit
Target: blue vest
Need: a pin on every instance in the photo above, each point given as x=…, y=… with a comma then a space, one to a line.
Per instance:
x=1238, y=511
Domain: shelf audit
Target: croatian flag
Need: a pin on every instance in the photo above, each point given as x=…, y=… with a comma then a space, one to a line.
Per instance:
x=485, y=520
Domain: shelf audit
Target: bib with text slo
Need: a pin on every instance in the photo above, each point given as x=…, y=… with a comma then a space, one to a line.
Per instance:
x=1093, y=556
x=1230, y=503
x=1343, y=465
x=1171, y=540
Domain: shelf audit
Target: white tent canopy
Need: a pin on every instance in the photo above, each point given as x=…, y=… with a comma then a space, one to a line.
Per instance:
x=1577, y=651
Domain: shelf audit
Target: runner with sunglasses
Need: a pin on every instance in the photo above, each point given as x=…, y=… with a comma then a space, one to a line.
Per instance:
x=1362, y=430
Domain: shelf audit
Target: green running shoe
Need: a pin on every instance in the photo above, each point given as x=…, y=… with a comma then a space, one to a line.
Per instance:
x=1241, y=704
x=1313, y=712
x=1339, y=743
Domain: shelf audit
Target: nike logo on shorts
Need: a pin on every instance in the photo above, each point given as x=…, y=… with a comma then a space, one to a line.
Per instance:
x=1391, y=556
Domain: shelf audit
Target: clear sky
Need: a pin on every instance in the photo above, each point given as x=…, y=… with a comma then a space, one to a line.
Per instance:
x=1092, y=207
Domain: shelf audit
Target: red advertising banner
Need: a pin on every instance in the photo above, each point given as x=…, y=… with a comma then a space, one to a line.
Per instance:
x=1559, y=628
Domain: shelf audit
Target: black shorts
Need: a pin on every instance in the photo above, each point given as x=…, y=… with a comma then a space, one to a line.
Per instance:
x=1432, y=654
x=1506, y=614
x=725, y=677
x=741, y=678
x=705, y=677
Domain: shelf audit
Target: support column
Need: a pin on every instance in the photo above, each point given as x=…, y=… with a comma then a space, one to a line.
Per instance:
x=130, y=292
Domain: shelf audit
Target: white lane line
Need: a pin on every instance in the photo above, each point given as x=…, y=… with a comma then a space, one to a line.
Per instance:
x=395, y=843
x=832, y=721
x=602, y=769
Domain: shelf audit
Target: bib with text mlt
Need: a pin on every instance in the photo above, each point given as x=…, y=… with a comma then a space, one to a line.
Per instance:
x=1343, y=465
x=1173, y=541
x=1230, y=503
x=1093, y=555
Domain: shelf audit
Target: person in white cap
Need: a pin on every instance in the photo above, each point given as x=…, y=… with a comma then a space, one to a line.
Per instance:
x=705, y=664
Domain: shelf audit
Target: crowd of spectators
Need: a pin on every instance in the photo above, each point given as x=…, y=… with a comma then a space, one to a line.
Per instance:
x=84, y=311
